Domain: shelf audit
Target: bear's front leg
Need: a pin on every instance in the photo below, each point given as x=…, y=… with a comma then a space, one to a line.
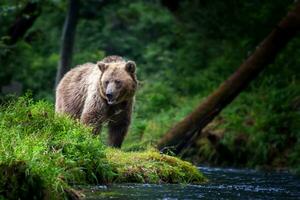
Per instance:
x=92, y=119
x=117, y=131
x=92, y=115
x=118, y=124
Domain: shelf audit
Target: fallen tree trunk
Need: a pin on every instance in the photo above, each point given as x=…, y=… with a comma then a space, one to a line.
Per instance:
x=265, y=53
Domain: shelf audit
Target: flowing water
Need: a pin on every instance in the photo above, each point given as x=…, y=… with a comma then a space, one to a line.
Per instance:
x=223, y=183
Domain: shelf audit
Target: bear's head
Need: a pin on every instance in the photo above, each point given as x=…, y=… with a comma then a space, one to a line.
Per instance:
x=118, y=81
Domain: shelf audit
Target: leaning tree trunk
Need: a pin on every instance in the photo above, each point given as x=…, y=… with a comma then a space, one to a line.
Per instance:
x=67, y=40
x=265, y=53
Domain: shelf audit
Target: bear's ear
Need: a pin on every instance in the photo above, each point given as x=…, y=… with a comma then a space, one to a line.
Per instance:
x=130, y=66
x=102, y=66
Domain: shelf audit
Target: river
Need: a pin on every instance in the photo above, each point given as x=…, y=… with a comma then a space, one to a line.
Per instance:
x=224, y=183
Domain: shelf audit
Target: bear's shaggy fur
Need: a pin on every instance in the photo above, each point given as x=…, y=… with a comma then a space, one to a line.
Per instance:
x=98, y=93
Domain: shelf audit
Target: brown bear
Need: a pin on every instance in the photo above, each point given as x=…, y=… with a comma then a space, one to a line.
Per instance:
x=98, y=93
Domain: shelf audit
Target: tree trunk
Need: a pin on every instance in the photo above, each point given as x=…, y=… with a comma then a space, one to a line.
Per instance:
x=67, y=41
x=172, y=5
x=265, y=53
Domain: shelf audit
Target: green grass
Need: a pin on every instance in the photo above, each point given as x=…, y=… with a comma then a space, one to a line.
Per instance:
x=43, y=156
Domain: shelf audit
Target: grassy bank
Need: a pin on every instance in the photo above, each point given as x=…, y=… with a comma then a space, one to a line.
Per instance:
x=43, y=156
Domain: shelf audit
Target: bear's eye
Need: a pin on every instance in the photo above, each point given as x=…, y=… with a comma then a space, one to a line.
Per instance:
x=117, y=82
x=106, y=82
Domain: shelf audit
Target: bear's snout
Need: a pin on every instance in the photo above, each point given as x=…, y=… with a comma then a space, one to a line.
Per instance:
x=109, y=96
x=111, y=93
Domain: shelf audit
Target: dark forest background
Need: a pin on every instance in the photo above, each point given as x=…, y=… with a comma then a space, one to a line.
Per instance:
x=183, y=50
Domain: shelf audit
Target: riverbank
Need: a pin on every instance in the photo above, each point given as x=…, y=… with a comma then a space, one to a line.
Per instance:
x=43, y=156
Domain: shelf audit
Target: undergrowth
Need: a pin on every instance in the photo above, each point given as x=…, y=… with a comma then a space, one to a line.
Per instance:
x=43, y=156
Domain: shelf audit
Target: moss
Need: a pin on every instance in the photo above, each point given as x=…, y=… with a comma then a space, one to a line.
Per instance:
x=44, y=155
x=152, y=167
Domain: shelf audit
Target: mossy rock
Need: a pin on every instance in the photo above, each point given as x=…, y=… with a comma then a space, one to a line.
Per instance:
x=152, y=167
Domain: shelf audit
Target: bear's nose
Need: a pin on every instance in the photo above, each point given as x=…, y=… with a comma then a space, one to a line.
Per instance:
x=109, y=96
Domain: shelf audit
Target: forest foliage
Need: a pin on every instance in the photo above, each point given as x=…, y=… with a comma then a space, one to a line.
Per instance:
x=182, y=56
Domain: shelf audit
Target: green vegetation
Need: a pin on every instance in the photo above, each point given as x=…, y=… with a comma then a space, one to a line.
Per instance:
x=182, y=56
x=43, y=155
x=152, y=167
